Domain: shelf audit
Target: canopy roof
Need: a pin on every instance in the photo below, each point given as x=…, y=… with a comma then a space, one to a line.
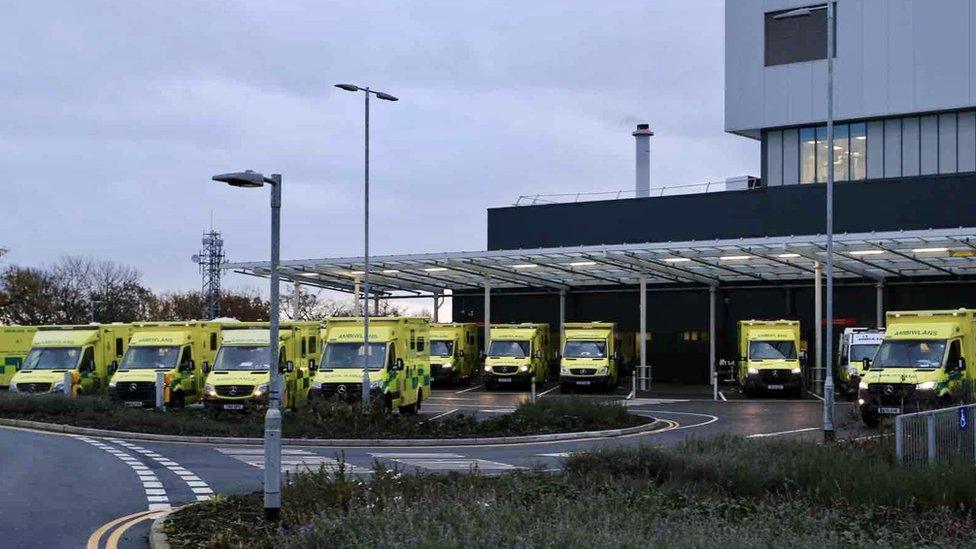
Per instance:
x=876, y=256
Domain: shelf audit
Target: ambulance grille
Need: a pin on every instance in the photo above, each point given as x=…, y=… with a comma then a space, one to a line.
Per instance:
x=234, y=390
x=774, y=376
x=583, y=371
x=33, y=387
x=138, y=390
x=504, y=369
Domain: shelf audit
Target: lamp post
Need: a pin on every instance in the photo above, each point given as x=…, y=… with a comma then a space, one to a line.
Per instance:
x=828, y=401
x=386, y=97
x=272, y=419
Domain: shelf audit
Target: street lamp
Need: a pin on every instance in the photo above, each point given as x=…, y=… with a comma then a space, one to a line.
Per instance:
x=828, y=389
x=272, y=419
x=386, y=97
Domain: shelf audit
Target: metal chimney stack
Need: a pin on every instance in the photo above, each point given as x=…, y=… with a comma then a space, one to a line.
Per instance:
x=642, y=182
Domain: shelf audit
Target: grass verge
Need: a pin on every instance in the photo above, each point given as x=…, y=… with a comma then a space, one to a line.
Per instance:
x=323, y=419
x=708, y=493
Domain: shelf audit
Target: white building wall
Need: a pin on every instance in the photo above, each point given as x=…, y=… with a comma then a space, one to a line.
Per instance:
x=893, y=57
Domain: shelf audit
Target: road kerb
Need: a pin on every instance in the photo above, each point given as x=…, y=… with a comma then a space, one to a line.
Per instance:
x=157, y=537
x=652, y=425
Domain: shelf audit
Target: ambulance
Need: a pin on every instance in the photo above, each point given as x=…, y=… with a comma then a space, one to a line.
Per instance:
x=927, y=360
x=453, y=352
x=593, y=354
x=240, y=377
x=517, y=354
x=15, y=342
x=856, y=344
x=182, y=351
x=769, y=360
x=398, y=362
x=89, y=352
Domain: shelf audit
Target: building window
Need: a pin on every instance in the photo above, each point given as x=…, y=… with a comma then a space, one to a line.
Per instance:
x=842, y=149
x=797, y=39
x=808, y=155
x=859, y=151
x=822, y=154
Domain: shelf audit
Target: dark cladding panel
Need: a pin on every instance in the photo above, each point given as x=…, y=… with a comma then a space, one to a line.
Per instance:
x=861, y=206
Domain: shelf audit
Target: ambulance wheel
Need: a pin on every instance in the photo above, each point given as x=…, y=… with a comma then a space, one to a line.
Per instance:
x=177, y=401
x=490, y=385
x=409, y=410
x=565, y=388
x=871, y=420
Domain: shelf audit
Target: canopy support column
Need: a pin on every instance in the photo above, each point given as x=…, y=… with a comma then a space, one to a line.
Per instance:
x=712, y=370
x=437, y=305
x=562, y=314
x=879, y=314
x=818, y=367
x=296, y=296
x=487, y=310
x=643, y=335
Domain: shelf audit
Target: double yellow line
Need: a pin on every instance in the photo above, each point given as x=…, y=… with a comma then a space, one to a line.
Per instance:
x=118, y=527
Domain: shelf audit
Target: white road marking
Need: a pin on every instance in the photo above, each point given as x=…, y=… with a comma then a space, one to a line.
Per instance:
x=291, y=460
x=498, y=411
x=722, y=396
x=468, y=389
x=447, y=413
x=556, y=455
x=156, y=498
x=193, y=482
x=445, y=462
x=652, y=401
x=547, y=391
x=763, y=435
x=815, y=395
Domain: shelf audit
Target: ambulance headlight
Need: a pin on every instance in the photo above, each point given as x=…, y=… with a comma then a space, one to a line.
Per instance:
x=926, y=386
x=562, y=371
x=524, y=368
x=261, y=390
x=111, y=384
x=602, y=372
x=58, y=387
x=316, y=385
x=447, y=365
x=487, y=368
x=12, y=388
x=752, y=370
x=375, y=385
x=796, y=370
x=862, y=385
x=209, y=389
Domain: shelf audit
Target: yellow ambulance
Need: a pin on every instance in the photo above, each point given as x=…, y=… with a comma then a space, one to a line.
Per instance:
x=398, y=364
x=517, y=354
x=90, y=352
x=453, y=352
x=182, y=351
x=240, y=376
x=769, y=357
x=15, y=342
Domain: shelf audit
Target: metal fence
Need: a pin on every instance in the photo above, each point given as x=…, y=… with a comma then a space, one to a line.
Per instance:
x=934, y=436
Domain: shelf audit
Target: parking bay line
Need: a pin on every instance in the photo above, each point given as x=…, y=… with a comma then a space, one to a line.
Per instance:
x=447, y=413
x=468, y=389
x=794, y=431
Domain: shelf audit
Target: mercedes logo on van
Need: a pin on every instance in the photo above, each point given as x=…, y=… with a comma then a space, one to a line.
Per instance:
x=888, y=389
x=31, y=388
x=233, y=390
x=341, y=389
x=133, y=387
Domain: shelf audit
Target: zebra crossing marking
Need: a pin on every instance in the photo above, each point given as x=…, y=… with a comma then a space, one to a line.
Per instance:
x=292, y=460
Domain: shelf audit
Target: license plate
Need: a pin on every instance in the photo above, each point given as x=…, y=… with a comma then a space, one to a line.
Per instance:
x=774, y=387
x=582, y=382
x=134, y=403
x=889, y=411
x=504, y=379
x=233, y=406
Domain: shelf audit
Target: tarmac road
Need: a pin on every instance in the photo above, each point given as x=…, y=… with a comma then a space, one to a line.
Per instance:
x=61, y=490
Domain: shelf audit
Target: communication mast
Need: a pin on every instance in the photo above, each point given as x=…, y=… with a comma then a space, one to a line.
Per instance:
x=211, y=260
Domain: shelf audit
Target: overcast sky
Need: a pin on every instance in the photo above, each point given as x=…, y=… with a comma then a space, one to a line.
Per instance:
x=115, y=115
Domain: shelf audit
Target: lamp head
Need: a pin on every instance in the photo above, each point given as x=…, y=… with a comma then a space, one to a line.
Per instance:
x=348, y=87
x=385, y=96
x=246, y=179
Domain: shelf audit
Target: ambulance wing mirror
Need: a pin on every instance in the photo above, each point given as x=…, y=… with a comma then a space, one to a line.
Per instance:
x=206, y=367
x=866, y=364
x=961, y=364
x=460, y=353
x=312, y=367
x=289, y=367
x=398, y=365
x=112, y=368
